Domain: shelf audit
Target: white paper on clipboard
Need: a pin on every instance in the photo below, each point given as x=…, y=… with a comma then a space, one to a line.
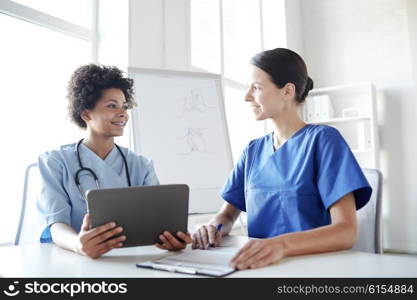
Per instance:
x=212, y=262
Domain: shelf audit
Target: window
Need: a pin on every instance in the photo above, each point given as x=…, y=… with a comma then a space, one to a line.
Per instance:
x=36, y=65
x=225, y=34
x=241, y=124
x=205, y=35
x=74, y=11
x=242, y=37
x=274, y=24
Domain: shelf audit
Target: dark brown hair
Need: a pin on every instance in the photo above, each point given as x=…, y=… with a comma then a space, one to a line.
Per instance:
x=284, y=66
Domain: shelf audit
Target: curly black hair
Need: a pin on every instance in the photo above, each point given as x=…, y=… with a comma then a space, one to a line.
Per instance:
x=87, y=84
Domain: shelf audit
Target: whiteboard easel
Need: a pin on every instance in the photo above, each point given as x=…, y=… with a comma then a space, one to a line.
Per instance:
x=180, y=124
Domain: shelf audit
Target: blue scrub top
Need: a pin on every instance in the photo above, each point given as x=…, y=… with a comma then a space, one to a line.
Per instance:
x=291, y=189
x=60, y=199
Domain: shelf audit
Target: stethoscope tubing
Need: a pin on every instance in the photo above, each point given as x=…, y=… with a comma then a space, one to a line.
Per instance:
x=92, y=173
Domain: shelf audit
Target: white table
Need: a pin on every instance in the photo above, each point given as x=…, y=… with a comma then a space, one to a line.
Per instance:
x=48, y=260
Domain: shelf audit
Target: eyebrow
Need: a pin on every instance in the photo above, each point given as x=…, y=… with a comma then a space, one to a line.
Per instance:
x=115, y=101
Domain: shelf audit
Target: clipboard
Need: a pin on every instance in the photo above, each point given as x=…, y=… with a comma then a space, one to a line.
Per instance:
x=213, y=262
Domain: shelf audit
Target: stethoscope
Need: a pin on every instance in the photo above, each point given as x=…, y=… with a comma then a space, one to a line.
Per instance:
x=92, y=173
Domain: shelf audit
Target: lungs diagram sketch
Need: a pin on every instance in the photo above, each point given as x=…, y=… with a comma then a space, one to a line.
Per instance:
x=195, y=140
x=195, y=102
x=180, y=124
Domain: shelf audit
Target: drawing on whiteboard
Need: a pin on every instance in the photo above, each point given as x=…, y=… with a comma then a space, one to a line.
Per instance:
x=194, y=101
x=184, y=124
x=195, y=140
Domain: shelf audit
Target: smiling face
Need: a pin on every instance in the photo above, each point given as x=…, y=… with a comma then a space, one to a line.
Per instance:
x=109, y=116
x=266, y=99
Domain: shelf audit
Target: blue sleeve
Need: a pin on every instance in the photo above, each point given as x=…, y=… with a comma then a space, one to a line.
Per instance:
x=53, y=203
x=150, y=176
x=338, y=171
x=233, y=190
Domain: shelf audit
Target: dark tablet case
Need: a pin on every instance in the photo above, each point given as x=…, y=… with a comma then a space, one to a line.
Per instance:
x=144, y=212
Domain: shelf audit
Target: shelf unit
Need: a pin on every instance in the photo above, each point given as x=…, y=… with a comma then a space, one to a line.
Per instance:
x=341, y=120
x=360, y=128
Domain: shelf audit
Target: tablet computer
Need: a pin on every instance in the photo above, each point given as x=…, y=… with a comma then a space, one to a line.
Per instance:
x=144, y=212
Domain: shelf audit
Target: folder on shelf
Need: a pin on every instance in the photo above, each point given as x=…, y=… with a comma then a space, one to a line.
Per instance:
x=363, y=134
x=310, y=108
x=317, y=108
x=212, y=262
x=326, y=110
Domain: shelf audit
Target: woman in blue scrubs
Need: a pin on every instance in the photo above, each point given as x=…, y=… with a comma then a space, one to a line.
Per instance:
x=99, y=98
x=299, y=185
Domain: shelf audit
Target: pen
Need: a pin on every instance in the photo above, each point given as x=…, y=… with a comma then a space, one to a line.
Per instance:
x=218, y=228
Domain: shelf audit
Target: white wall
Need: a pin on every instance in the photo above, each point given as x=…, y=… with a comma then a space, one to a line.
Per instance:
x=294, y=26
x=343, y=42
x=348, y=41
x=159, y=33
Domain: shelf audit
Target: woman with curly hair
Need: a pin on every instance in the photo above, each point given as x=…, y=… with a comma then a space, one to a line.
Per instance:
x=99, y=97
